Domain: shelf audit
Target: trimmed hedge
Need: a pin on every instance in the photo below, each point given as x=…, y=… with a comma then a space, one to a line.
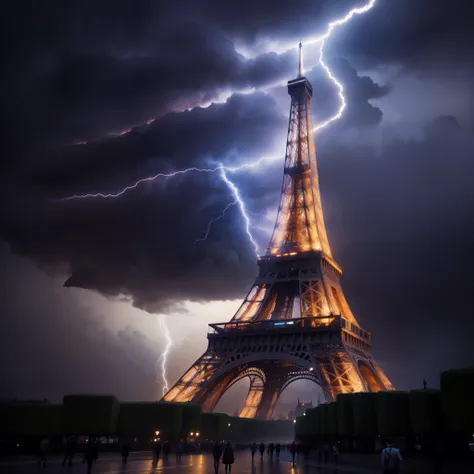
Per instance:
x=302, y=428
x=312, y=415
x=426, y=416
x=144, y=418
x=31, y=420
x=457, y=398
x=345, y=414
x=90, y=414
x=332, y=418
x=214, y=426
x=319, y=423
x=365, y=413
x=191, y=420
x=324, y=418
x=393, y=413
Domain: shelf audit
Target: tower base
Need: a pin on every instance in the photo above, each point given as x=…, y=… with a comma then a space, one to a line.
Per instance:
x=273, y=354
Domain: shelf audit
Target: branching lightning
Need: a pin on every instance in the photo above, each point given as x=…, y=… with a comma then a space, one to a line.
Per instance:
x=224, y=169
x=235, y=192
x=148, y=179
x=164, y=356
x=214, y=219
x=322, y=40
x=151, y=179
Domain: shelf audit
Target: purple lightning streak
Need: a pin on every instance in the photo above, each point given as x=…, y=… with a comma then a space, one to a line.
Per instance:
x=148, y=179
x=236, y=193
x=151, y=179
x=164, y=355
x=339, y=86
x=212, y=221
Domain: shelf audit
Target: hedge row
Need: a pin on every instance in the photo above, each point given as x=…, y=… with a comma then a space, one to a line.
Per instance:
x=104, y=415
x=100, y=415
x=397, y=413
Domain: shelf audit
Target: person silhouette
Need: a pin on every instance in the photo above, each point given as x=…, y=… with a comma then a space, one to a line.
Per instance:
x=254, y=449
x=70, y=450
x=228, y=457
x=216, y=454
x=262, y=450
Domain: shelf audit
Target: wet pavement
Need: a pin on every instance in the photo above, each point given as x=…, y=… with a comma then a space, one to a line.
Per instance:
x=140, y=463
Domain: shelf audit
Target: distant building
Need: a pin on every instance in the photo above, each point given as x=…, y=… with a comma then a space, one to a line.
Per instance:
x=302, y=407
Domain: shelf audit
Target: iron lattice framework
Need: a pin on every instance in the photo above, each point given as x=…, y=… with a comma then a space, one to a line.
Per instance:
x=264, y=341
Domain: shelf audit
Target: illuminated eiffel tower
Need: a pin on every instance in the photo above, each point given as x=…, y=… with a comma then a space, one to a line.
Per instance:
x=264, y=341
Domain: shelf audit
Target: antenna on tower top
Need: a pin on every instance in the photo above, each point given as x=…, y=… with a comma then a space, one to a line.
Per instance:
x=300, y=67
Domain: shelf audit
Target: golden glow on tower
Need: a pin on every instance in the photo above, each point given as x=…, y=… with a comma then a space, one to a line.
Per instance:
x=300, y=224
x=295, y=318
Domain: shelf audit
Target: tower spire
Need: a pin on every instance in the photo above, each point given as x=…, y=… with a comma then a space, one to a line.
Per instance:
x=300, y=67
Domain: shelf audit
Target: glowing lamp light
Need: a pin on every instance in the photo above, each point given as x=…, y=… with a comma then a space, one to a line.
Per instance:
x=304, y=414
x=197, y=434
x=311, y=369
x=157, y=433
x=294, y=421
x=192, y=433
x=228, y=424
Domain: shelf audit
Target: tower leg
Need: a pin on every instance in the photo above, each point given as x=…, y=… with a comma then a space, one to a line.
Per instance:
x=189, y=386
x=253, y=399
x=271, y=393
x=338, y=375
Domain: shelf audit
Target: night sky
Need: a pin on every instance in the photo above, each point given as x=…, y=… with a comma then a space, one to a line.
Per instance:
x=396, y=171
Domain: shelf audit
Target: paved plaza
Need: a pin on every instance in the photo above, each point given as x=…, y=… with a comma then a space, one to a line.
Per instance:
x=140, y=463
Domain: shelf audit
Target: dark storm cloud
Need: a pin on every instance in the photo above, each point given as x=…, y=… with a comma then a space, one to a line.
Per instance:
x=53, y=344
x=419, y=35
x=79, y=71
x=358, y=91
x=401, y=224
x=244, y=125
x=142, y=245
x=87, y=95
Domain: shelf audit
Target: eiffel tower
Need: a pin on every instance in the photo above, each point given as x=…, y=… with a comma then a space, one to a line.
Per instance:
x=264, y=340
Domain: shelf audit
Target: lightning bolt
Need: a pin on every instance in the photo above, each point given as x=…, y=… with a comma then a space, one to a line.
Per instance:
x=235, y=192
x=212, y=221
x=223, y=169
x=151, y=179
x=322, y=40
x=164, y=356
x=148, y=179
